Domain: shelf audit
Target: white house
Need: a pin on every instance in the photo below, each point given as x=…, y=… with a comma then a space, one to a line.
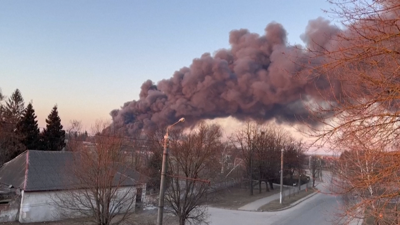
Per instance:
x=31, y=183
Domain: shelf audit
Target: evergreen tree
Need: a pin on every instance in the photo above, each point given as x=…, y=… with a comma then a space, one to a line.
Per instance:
x=1, y=110
x=154, y=170
x=14, y=108
x=28, y=129
x=10, y=139
x=54, y=135
x=2, y=131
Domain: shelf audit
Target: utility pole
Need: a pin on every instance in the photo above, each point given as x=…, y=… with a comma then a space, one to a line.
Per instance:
x=260, y=143
x=281, y=188
x=320, y=170
x=164, y=174
x=251, y=168
x=299, y=168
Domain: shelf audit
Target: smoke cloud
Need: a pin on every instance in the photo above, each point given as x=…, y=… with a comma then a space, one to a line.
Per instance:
x=258, y=78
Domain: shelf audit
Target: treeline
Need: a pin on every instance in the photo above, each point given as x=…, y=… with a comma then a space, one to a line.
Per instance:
x=252, y=153
x=262, y=148
x=200, y=160
x=19, y=128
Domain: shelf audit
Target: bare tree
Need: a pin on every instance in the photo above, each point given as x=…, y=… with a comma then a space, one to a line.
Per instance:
x=361, y=65
x=269, y=145
x=244, y=140
x=314, y=168
x=152, y=144
x=260, y=148
x=74, y=136
x=361, y=113
x=367, y=179
x=193, y=166
x=102, y=189
x=294, y=157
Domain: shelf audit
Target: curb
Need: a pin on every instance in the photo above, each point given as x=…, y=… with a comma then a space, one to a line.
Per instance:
x=294, y=203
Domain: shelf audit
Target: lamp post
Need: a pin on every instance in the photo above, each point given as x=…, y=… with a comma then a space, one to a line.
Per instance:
x=163, y=174
x=281, y=188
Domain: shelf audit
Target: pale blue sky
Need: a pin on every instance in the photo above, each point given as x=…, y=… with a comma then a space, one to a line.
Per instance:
x=90, y=57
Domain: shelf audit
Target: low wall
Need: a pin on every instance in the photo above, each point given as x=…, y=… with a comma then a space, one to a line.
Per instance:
x=47, y=206
x=9, y=208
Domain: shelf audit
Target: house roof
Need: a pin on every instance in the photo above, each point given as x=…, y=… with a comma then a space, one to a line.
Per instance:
x=36, y=170
x=13, y=172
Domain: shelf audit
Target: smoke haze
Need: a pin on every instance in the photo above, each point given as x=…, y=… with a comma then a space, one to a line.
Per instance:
x=258, y=78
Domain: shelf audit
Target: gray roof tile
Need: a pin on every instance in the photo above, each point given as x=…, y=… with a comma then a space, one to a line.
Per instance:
x=48, y=170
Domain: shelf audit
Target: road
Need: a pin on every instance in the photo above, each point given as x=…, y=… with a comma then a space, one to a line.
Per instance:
x=320, y=209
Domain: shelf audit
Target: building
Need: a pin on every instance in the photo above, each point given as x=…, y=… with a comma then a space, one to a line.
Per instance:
x=31, y=183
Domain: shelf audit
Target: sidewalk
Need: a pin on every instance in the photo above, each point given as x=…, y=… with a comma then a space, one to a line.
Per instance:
x=254, y=206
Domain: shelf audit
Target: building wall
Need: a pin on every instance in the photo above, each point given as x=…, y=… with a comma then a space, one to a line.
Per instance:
x=46, y=206
x=37, y=207
x=8, y=214
x=144, y=199
x=9, y=211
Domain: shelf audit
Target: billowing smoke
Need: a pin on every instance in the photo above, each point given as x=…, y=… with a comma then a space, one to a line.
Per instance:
x=259, y=78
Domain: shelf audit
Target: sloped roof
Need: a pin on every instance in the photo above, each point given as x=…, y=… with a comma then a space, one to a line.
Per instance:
x=48, y=170
x=36, y=170
x=13, y=172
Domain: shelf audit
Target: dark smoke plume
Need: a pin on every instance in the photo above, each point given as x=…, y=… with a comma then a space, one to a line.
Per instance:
x=254, y=79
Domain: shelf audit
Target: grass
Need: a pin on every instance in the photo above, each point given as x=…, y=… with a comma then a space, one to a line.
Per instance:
x=236, y=197
x=275, y=205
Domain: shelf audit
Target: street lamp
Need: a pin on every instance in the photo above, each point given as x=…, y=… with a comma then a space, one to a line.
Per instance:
x=163, y=174
x=281, y=191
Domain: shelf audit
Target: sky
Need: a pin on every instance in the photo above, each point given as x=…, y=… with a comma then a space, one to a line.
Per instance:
x=90, y=57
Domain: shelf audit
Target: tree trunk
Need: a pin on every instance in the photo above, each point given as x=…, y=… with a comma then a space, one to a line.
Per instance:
x=299, y=181
x=259, y=181
x=251, y=187
x=182, y=220
x=251, y=177
x=271, y=185
x=291, y=177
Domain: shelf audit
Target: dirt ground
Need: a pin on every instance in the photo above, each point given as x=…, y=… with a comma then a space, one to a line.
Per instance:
x=140, y=217
x=275, y=205
x=236, y=197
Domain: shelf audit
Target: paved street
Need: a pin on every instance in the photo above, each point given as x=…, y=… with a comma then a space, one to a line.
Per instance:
x=320, y=209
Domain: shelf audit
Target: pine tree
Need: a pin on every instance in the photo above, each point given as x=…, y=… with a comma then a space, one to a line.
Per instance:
x=154, y=170
x=2, y=131
x=1, y=110
x=54, y=135
x=14, y=108
x=10, y=139
x=28, y=129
